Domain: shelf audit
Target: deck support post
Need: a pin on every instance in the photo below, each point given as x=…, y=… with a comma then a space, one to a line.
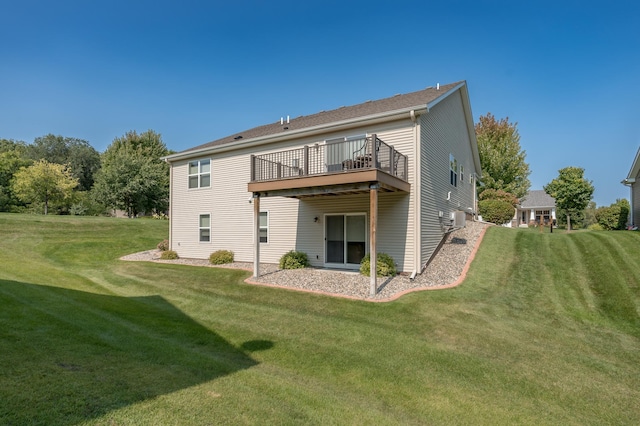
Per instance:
x=256, y=234
x=373, y=224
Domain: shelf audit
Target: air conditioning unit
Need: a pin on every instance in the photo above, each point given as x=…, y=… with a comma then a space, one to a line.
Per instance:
x=458, y=219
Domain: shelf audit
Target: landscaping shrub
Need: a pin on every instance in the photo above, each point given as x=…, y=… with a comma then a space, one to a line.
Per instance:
x=496, y=211
x=294, y=260
x=169, y=255
x=615, y=216
x=221, y=257
x=163, y=245
x=595, y=227
x=385, y=266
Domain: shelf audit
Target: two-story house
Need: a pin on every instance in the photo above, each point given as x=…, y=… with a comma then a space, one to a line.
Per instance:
x=392, y=175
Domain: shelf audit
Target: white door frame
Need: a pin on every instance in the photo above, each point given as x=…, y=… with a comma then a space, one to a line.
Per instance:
x=344, y=265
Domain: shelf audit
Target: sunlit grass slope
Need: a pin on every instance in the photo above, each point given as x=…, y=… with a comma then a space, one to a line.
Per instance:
x=545, y=330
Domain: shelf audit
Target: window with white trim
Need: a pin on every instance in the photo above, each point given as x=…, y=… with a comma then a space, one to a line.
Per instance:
x=205, y=228
x=453, y=170
x=264, y=227
x=200, y=173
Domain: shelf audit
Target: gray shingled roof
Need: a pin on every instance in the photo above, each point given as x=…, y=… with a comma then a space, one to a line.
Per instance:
x=537, y=198
x=397, y=102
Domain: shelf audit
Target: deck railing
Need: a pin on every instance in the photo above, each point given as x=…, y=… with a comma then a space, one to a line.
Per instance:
x=330, y=158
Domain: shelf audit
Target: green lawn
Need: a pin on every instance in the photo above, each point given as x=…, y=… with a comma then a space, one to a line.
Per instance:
x=545, y=330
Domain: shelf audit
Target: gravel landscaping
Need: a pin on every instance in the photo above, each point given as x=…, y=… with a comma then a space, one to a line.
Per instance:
x=445, y=270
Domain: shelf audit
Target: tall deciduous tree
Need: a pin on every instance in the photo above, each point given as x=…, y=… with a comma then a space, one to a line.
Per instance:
x=571, y=191
x=44, y=182
x=82, y=158
x=133, y=178
x=12, y=158
x=501, y=157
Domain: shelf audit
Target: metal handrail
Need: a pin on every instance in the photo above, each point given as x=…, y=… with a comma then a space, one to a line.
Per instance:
x=329, y=158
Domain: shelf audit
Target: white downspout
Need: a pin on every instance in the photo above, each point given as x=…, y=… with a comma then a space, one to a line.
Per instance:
x=170, y=204
x=417, y=208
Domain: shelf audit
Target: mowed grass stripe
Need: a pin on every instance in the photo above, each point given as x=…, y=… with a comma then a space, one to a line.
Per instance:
x=94, y=340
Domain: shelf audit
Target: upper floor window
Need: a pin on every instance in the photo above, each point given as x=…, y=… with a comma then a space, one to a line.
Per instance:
x=200, y=173
x=453, y=170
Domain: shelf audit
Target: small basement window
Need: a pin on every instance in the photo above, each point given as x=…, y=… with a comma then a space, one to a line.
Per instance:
x=205, y=228
x=264, y=227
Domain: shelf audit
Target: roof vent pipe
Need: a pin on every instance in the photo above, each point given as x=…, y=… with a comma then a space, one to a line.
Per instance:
x=281, y=121
x=438, y=86
x=287, y=119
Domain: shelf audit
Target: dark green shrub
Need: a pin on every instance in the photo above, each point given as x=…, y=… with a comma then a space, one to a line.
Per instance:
x=169, y=255
x=163, y=245
x=385, y=266
x=496, y=211
x=221, y=257
x=615, y=216
x=294, y=260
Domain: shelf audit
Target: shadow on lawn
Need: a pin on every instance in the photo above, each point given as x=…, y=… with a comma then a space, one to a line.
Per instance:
x=69, y=355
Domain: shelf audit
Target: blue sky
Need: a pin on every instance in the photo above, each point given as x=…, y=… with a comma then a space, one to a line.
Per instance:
x=567, y=72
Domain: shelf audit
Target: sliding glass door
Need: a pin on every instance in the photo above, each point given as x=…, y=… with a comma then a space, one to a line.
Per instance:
x=345, y=239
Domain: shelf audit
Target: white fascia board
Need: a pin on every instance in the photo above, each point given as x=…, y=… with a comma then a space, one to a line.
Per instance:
x=308, y=131
x=437, y=100
x=635, y=168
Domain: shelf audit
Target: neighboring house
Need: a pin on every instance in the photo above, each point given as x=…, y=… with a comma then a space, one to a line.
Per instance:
x=533, y=207
x=633, y=182
x=381, y=176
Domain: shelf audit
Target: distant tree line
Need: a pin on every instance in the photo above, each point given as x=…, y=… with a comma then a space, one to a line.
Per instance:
x=65, y=175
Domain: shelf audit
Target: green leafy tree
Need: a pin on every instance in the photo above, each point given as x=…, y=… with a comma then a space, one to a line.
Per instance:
x=44, y=182
x=82, y=158
x=571, y=191
x=133, y=178
x=12, y=158
x=501, y=157
x=590, y=214
x=615, y=216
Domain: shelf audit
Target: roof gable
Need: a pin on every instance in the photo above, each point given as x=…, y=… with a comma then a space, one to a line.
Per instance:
x=635, y=168
x=419, y=99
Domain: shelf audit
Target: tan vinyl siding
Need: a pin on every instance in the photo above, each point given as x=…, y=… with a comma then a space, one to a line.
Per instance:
x=231, y=213
x=443, y=132
x=291, y=222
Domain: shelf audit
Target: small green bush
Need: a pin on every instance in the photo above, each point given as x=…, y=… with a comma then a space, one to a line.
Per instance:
x=496, y=211
x=385, y=266
x=169, y=255
x=595, y=227
x=221, y=257
x=615, y=216
x=294, y=260
x=163, y=245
